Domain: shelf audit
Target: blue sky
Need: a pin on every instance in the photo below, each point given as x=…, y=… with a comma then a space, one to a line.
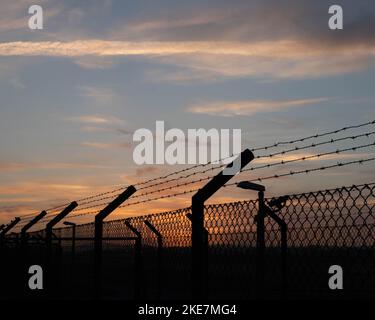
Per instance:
x=73, y=93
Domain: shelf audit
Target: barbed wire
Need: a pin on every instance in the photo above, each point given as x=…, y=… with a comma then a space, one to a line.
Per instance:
x=264, y=148
x=99, y=197
x=314, y=145
x=282, y=162
x=315, y=156
x=290, y=173
x=29, y=217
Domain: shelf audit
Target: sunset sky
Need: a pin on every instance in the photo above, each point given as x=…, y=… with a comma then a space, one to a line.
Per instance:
x=73, y=93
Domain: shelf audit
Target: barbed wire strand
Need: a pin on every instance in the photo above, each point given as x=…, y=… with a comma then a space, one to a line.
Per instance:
x=266, y=166
x=49, y=210
x=290, y=173
x=265, y=148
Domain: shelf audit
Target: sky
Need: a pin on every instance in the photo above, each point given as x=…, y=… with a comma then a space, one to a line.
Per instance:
x=73, y=93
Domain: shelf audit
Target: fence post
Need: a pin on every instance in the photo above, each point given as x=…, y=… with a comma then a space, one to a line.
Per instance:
x=260, y=245
x=73, y=225
x=54, y=221
x=138, y=266
x=279, y=203
x=9, y=227
x=49, y=234
x=199, y=244
x=28, y=226
x=159, y=255
x=98, y=241
x=57, y=238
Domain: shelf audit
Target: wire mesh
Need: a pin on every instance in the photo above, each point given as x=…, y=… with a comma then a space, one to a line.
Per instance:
x=324, y=228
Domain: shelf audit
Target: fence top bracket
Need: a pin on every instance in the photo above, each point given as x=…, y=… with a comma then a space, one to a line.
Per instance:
x=61, y=215
x=133, y=229
x=221, y=179
x=10, y=226
x=251, y=186
x=152, y=228
x=32, y=222
x=115, y=203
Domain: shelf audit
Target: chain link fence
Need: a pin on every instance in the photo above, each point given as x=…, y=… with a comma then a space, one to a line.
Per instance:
x=324, y=228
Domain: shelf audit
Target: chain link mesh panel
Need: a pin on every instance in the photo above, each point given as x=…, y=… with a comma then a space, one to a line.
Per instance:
x=324, y=228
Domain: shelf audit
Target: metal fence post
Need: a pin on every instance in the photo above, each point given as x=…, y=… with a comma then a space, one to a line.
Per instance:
x=98, y=241
x=49, y=235
x=74, y=226
x=159, y=255
x=260, y=245
x=279, y=203
x=54, y=221
x=28, y=226
x=198, y=237
x=138, y=265
x=7, y=228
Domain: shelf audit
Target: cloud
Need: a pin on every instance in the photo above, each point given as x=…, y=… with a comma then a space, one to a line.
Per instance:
x=268, y=49
x=89, y=62
x=23, y=166
x=91, y=119
x=39, y=188
x=104, y=145
x=99, y=96
x=146, y=170
x=43, y=193
x=292, y=157
x=272, y=39
x=249, y=107
x=95, y=119
x=277, y=59
x=251, y=21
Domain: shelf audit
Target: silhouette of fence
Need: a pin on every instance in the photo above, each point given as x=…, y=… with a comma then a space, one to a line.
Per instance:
x=257, y=248
x=323, y=228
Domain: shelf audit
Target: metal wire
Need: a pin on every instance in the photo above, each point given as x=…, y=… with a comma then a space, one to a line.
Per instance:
x=99, y=197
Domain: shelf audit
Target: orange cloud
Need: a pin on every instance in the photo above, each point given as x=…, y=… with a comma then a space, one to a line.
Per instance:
x=280, y=58
x=249, y=107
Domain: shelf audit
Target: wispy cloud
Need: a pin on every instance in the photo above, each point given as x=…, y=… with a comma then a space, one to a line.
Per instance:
x=95, y=119
x=276, y=49
x=99, y=96
x=23, y=166
x=146, y=170
x=42, y=189
x=104, y=145
x=90, y=62
x=309, y=157
x=279, y=59
x=249, y=107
